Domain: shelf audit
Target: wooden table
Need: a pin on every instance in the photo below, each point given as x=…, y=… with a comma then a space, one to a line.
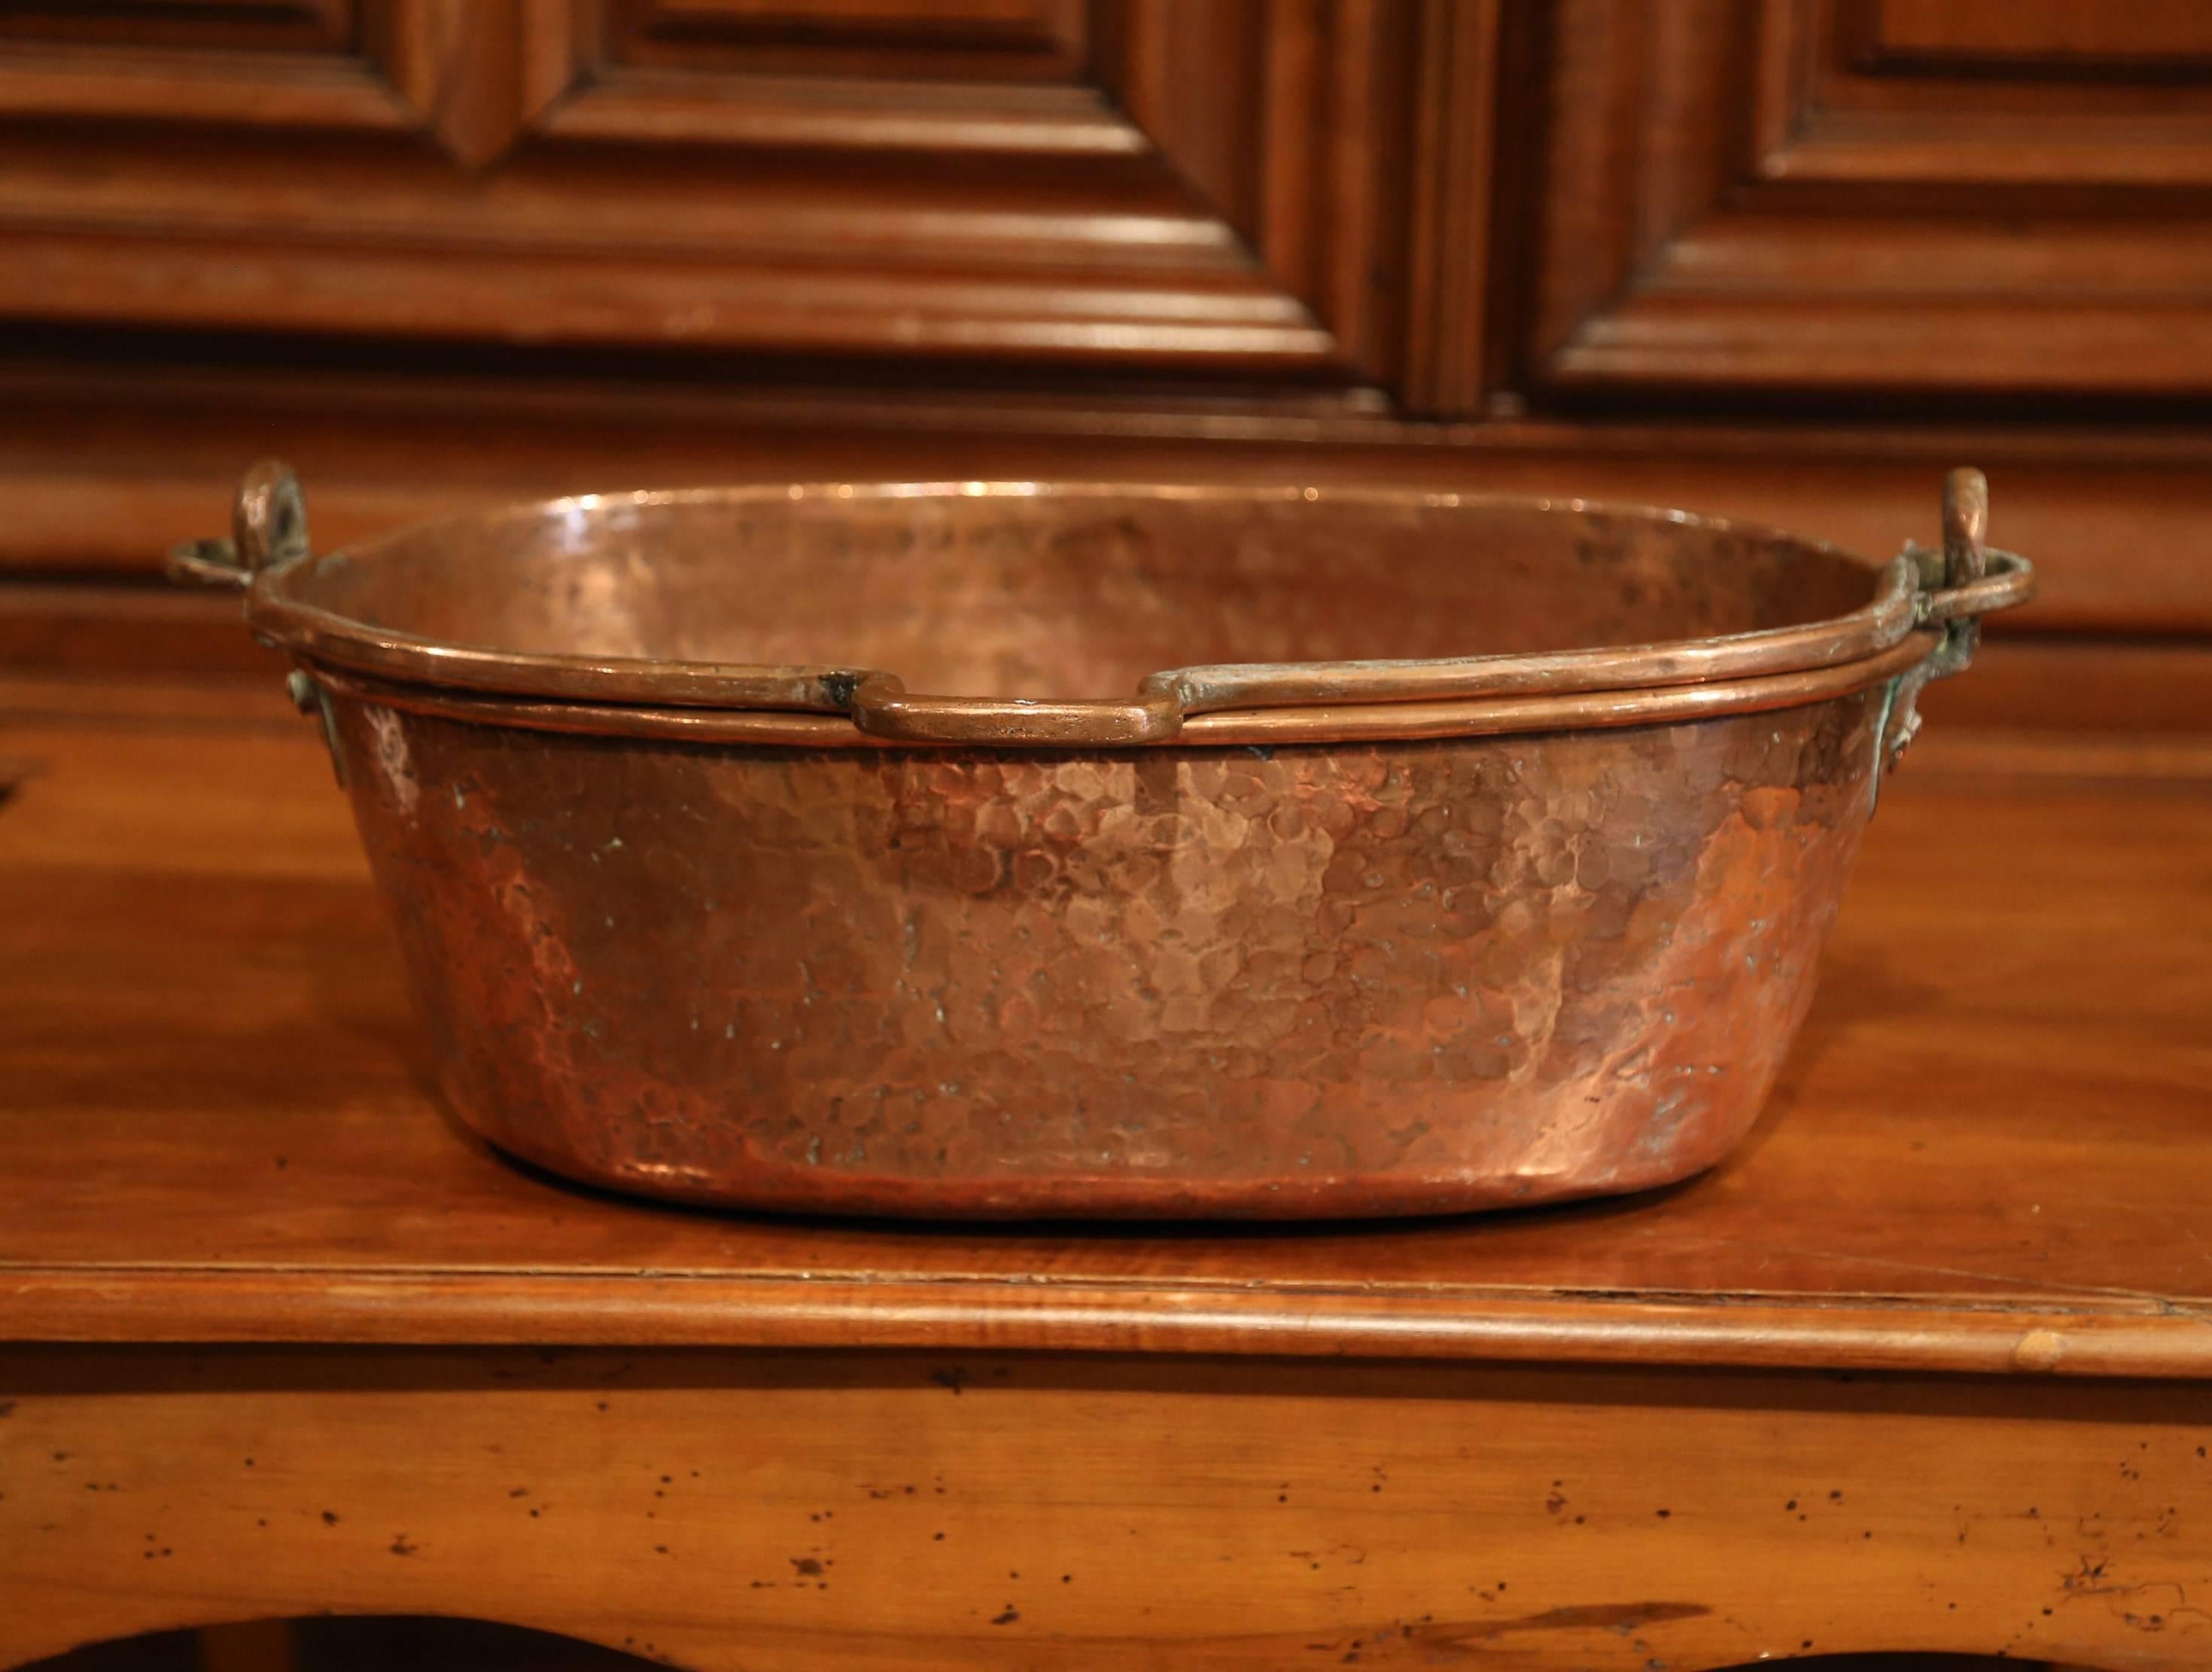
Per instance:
x=1928, y=1365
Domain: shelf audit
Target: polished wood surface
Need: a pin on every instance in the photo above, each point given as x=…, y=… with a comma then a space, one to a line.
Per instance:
x=1989, y=1151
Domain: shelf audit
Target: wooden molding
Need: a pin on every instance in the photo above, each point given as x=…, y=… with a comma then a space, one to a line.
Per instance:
x=73, y=85
x=1219, y=189
x=248, y=26
x=651, y=106
x=1732, y=202
x=2052, y=40
x=901, y=40
x=1454, y=207
x=1856, y=91
x=480, y=73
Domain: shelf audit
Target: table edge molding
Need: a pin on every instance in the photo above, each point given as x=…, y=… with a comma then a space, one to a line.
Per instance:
x=2119, y=1335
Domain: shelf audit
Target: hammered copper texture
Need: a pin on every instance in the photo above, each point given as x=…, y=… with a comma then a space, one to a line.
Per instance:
x=1330, y=980
x=1068, y=593
x=1065, y=848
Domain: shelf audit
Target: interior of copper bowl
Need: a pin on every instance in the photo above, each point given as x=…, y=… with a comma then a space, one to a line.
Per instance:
x=1018, y=591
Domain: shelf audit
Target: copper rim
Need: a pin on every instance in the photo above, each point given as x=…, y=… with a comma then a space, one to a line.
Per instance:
x=1259, y=728
x=828, y=705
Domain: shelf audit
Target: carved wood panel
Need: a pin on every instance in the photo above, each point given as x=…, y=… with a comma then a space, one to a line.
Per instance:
x=2049, y=37
x=974, y=40
x=1881, y=195
x=1230, y=188
x=226, y=25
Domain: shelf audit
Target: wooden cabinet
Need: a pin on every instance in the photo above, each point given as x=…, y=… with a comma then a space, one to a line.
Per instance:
x=1785, y=258
x=1795, y=195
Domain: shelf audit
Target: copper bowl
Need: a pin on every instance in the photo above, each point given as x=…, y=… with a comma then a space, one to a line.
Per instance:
x=1473, y=851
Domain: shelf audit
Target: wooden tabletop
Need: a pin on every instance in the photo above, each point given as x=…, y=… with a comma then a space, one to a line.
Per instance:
x=1992, y=1149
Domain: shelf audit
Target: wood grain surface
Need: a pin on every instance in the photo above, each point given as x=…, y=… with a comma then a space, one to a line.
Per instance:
x=869, y=1511
x=1990, y=1151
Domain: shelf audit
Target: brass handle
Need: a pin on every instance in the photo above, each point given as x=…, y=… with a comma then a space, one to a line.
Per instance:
x=1966, y=525
x=2008, y=582
x=268, y=527
x=1966, y=579
x=1959, y=584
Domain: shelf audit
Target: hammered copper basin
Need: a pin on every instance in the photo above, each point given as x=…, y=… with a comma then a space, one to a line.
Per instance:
x=1028, y=849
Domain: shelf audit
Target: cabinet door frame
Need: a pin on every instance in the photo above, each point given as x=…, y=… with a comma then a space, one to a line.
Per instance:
x=1729, y=204
x=1248, y=195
